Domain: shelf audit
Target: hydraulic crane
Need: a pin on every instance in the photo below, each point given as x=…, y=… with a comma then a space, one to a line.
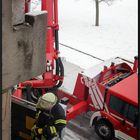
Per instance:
x=50, y=79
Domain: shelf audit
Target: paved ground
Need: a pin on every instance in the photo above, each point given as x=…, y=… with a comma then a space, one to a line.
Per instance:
x=78, y=129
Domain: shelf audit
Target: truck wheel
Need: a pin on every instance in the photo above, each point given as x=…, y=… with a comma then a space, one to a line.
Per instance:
x=104, y=130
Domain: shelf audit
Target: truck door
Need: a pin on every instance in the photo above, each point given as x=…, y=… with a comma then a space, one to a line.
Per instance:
x=126, y=113
x=130, y=124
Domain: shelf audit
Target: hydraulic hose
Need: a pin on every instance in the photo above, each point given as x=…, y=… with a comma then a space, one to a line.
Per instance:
x=61, y=72
x=59, y=64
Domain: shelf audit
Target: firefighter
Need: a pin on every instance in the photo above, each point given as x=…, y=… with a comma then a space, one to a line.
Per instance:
x=50, y=118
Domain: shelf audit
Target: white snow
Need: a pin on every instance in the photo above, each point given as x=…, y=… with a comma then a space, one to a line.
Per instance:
x=117, y=34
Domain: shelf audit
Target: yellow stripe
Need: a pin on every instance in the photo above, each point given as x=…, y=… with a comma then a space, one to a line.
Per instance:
x=64, y=122
x=54, y=129
x=51, y=129
x=60, y=121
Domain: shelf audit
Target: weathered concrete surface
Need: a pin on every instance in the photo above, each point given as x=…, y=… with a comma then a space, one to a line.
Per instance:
x=23, y=46
x=6, y=115
x=18, y=11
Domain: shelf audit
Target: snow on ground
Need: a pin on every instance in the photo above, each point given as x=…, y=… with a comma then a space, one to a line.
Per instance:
x=117, y=34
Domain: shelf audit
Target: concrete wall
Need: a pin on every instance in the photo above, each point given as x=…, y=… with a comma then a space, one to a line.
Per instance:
x=6, y=115
x=23, y=51
x=23, y=43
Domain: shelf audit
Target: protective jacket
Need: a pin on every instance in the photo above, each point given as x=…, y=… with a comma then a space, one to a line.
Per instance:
x=49, y=124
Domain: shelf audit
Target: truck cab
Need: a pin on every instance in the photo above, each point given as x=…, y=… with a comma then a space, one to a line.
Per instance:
x=118, y=94
x=122, y=102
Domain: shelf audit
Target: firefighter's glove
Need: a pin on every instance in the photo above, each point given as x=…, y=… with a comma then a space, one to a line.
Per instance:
x=38, y=131
x=50, y=131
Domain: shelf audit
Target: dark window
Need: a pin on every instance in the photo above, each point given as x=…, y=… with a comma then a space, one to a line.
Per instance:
x=132, y=113
x=116, y=104
x=127, y=110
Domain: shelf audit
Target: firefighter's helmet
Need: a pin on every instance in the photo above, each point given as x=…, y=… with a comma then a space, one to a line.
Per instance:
x=46, y=101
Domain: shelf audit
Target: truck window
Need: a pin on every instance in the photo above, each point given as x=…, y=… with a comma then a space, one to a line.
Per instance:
x=116, y=104
x=132, y=112
x=123, y=108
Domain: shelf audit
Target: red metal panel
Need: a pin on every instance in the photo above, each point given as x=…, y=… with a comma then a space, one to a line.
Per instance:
x=56, y=14
x=127, y=89
x=115, y=122
x=76, y=110
x=72, y=99
x=48, y=6
x=18, y=93
x=80, y=91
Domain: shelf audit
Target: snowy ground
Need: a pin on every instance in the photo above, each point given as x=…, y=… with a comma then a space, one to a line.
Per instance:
x=117, y=34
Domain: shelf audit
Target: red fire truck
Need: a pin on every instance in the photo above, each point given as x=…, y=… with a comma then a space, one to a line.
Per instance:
x=112, y=95
x=109, y=90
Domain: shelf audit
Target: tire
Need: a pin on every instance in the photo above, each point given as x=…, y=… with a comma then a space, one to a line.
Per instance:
x=104, y=130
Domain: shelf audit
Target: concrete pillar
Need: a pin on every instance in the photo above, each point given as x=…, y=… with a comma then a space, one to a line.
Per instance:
x=6, y=115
